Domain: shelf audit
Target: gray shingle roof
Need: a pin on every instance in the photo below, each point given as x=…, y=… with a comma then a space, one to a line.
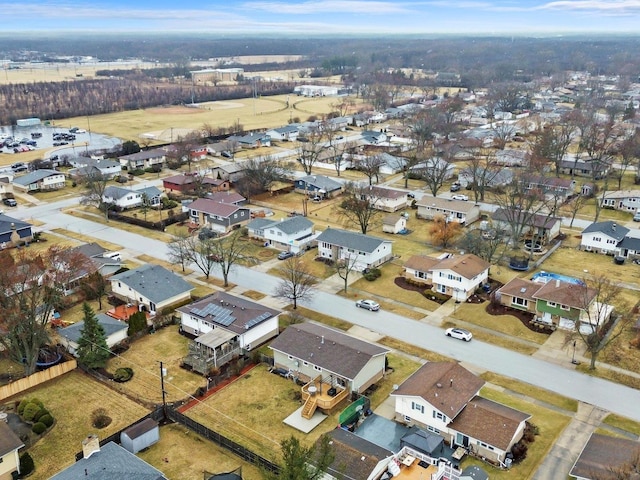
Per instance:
x=6, y=222
x=35, y=176
x=287, y=225
x=145, y=154
x=9, y=441
x=259, y=224
x=151, y=192
x=109, y=324
x=630, y=243
x=330, y=349
x=154, y=282
x=114, y=191
x=612, y=229
x=353, y=240
x=112, y=462
x=321, y=181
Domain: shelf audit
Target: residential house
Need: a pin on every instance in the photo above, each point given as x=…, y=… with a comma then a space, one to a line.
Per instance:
x=115, y=332
x=584, y=168
x=318, y=185
x=625, y=200
x=535, y=226
x=510, y=157
x=360, y=250
x=10, y=444
x=231, y=198
x=385, y=199
x=154, y=157
x=231, y=172
x=225, y=326
x=550, y=187
x=394, y=223
x=459, y=211
x=603, y=456
x=151, y=287
x=252, y=140
x=219, y=217
x=90, y=167
x=6, y=187
x=459, y=275
x=373, y=137
x=603, y=237
x=443, y=398
x=105, y=262
x=489, y=178
x=100, y=462
x=354, y=457
x=332, y=363
x=391, y=164
x=292, y=234
x=417, y=269
x=434, y=167
x=288, y=133
x=14, y=231
x=125, y=198
x=40, y=180
x=519, y=293
x=191, y=183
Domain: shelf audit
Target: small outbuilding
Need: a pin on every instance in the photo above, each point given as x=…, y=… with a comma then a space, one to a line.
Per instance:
x=394, y=223
x=140, y=436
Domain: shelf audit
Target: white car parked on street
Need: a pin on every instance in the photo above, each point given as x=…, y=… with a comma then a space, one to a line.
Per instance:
x=459, y=333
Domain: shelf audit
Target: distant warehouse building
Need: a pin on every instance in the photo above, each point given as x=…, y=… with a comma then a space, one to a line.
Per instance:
x=315, y=90
x=28, y=122
x=216, y=75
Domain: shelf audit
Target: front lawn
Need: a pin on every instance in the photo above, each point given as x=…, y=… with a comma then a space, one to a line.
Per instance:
x=71, y=399
x=550, y=424
x=623, y=423
x=144, y=357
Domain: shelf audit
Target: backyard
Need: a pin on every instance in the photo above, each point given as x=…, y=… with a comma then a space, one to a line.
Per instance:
x=71, y=399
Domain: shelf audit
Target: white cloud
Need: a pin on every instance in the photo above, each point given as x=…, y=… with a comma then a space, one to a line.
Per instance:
x=621, y=7
x=328, y=7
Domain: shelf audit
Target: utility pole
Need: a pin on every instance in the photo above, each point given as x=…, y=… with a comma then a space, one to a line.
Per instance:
x=164, y=401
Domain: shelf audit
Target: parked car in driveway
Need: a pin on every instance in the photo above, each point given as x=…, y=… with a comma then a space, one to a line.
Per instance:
x=455, y=187
x=636, y=216
x=285, y=255
x=459, y=333
x=10, y=202
x=368, y=305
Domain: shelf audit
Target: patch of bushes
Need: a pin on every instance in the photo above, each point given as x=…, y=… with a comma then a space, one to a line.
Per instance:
x=123, y=374
x=30, y=411
x=373, y=274
x=136, y=172
x=38, y=428
x=26, y=464
x=41, y=413
x=47, y=420
x=100, y=419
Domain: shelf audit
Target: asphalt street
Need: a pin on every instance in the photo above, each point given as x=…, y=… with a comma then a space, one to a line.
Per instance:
x=601, y=393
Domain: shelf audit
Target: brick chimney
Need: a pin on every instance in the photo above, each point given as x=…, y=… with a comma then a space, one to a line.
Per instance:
x=90, y=445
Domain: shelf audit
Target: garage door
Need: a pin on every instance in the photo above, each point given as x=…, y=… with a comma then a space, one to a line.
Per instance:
x=567, y=324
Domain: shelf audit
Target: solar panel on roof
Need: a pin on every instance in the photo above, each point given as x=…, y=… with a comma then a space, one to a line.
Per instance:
x=257, y=320
x=221, y=315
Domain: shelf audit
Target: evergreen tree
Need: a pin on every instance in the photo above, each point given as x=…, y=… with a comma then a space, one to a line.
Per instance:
x=137, y=323
x=93, y=351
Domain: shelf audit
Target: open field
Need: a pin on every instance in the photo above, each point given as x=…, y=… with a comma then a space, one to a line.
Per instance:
x=71, y=399
x=251, y=410
x=144, y=357
x=550, y=424
x=182, y=454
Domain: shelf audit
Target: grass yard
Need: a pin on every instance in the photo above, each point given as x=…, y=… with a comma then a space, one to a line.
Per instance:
x=403, y=367
x=188, y=454
x=320, y=270
x=253, y=295
x=176, y=268
x=332, y=322
x=71, y=399
x=611, y=375
x=385, y=287
x=55, y=195
x=541, y=394
x=623, y=423
x=409, y=349
x=509, y=325
x=86, y=239
x=10, y=367
x=620, y=352
x=550, y=423
x=144, y=357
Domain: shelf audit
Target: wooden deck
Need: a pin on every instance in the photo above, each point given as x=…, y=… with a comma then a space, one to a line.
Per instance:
x=315, y=394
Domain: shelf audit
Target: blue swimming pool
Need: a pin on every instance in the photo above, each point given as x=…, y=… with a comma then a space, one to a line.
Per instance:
x=544, y=277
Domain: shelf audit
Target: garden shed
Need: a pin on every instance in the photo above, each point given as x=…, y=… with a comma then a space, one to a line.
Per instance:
x=140, y=436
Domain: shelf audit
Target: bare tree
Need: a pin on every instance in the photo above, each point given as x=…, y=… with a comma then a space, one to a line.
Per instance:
x=296, y=284
x=486, y=244
x=629, y=155
x=95, y=287
x=260, y=175
x=228, y=251
x=551, y=144
x=95, y=184
x=201, y=251
x=310, y=151
x=435, y=173
x=502, y=131
x=344, y=266
x=595, y=298
x=370, y=166
x=358, y=206
x=574, y=206
x=482, y=169
x=179, y=249
x=33, y=285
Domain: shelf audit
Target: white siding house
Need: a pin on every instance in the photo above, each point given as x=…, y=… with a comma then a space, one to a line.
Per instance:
x=291, y=234
x=336, y=244
x=603, y=237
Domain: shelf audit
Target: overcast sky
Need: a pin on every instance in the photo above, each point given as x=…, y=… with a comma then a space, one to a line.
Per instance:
x=325, y=16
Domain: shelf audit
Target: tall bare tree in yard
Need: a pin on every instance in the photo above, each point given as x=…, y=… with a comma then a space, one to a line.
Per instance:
x=482, y=169
x=629, y=156
x=33, y=286
x=370, y=166
x=259, y=175
x=344, y=266
x=179, y=249
x=310, y=151
x=200, y=251
x=595, y=298
x=444, y=232
x=574, y=206
x=95, y=184
x=95, y=287
x=296, y=282
x=551, y=144
x=228, y=251
x=358, y=206
x=434, y=174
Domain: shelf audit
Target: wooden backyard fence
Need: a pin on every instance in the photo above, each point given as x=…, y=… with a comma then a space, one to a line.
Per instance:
x=25, y=383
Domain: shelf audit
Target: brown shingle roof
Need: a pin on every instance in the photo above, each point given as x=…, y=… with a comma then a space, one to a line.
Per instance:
x=211, y=207
x=521, y=288
x=391, y=219
x=382, y=192
x=563, y=293
x=603, y=453
x=421, y=263
x=141, y=428
x=9, y=441
x=330, y=349
x=445, y=385
x=354, y=457
x=489, y=422
x=468, y=265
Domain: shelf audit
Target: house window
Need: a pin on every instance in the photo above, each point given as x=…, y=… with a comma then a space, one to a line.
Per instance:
x=597, y=239
x=407, y=419
x=565, y=307
x=552, y=304
x=432, y=429
x=119, y=285
x=235, y=215
x=439, y=416
x=420, y=274
x=523, y=302
x=317, y=368
x=417, y=406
